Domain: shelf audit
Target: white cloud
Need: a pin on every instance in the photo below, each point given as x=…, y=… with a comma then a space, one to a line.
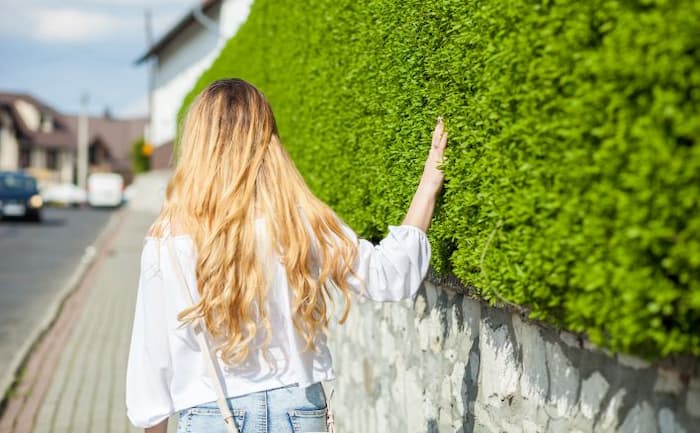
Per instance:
x=82, y=21
x=74, y=25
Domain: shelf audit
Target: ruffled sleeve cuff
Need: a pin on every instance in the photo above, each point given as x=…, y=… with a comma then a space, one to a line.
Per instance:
x=394, y=269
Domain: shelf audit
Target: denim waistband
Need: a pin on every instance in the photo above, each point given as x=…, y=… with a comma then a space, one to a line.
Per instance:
x=288, y=408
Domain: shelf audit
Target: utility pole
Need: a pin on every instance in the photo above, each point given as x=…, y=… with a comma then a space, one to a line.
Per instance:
x=83, y=141
x=151, y=77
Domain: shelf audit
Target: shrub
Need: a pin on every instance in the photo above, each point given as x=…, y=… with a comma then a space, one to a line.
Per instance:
x=573, y=173
x=140, y=152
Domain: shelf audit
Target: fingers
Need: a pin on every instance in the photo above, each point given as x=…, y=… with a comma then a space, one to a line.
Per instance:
x=439, y=135
x=443, y=141
x=439, y=126
x=438, y=132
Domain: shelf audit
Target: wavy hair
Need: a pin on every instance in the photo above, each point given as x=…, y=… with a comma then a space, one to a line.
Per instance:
x=233, y=169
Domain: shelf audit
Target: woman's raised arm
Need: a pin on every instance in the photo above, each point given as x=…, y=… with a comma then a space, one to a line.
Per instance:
x=420, y=212
x=395, y=268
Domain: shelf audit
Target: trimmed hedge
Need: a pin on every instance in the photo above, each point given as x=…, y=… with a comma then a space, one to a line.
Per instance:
x=573, y=173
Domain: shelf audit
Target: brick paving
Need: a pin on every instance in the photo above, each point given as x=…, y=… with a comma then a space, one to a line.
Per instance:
x=74, y=380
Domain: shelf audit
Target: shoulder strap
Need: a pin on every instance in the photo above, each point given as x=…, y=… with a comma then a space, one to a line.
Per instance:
x=202, y=341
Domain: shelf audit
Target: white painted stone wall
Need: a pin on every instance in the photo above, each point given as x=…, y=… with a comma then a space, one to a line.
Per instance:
x=445, y=362
x=149, y=191
x=188, y=56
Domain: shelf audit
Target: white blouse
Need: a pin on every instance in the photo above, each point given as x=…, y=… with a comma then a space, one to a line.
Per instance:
x=167, y=373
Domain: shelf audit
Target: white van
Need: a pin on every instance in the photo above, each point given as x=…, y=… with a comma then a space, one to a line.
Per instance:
x=105, y=189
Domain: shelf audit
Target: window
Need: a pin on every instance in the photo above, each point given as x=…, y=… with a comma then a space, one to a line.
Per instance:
x=15, y=182
x=52, y=159
x=92, y=154
x=46, y=122
x=24, y=158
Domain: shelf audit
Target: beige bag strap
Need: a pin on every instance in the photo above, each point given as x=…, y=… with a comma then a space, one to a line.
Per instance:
x=203, y=344
x=330, y=413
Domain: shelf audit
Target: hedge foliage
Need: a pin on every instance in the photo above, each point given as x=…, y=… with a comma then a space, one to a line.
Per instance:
x=573, y=173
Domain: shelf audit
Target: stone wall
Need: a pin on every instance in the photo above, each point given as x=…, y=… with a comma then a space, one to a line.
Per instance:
x=445, y=362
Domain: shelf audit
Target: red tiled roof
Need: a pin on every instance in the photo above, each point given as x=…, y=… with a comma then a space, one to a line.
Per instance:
x=60, y=137
x=116, y=134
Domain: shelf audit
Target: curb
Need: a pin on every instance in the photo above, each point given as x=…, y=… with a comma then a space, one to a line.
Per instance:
x=18, y=361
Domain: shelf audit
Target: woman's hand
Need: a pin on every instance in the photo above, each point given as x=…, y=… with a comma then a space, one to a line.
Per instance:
x=421, y=210
x=432, y=178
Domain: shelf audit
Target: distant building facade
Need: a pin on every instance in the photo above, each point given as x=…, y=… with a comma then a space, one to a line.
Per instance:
x=35, y=138
x=43, y=142
x=180, y=56
x=109, y=143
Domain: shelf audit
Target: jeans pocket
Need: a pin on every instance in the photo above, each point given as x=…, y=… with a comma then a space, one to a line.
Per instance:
x=308, y=420
x=209, y=420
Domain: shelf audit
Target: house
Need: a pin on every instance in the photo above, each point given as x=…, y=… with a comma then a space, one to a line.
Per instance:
x=109, y=142
x=43, y=142
x=178, y=58
x=36, y=138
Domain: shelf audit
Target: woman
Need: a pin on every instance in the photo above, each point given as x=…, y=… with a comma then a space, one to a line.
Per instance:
x=263, y=258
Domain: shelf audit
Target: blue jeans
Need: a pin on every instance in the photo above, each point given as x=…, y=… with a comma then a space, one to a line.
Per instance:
x=282, y=410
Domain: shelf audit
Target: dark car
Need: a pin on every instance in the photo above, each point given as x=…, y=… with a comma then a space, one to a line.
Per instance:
x=19, y=196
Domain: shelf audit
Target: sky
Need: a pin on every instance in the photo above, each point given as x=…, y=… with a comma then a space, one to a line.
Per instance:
x=57, y=50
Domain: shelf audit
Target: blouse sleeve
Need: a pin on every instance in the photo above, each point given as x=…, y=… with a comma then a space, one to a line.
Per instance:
x=149, y=368
x=395, y=268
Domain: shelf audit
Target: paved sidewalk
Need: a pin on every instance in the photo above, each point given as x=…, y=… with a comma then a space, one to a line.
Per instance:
x=87, y=390
x=74, y=380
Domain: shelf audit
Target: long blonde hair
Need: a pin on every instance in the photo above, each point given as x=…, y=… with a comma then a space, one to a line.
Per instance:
x=232, y=169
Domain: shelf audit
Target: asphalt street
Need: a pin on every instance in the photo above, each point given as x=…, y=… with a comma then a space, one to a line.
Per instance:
x=36, y=262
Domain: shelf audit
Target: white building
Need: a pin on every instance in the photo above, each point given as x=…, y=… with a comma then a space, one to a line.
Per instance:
x=180, y=57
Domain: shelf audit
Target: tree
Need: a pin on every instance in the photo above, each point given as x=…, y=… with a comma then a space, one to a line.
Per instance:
x=140, y=153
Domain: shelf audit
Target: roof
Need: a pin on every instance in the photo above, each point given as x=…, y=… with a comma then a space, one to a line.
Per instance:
x=116, y=135
x=174, y=31
x=60, y=137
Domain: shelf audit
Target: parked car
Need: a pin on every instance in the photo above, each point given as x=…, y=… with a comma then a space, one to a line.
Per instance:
x=19, y=196
x=105, y=189
x=65, y=194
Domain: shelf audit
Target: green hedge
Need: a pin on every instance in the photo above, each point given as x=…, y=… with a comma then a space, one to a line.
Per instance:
x=573, y=174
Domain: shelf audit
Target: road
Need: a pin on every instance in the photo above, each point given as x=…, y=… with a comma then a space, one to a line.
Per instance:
x=36, y=261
